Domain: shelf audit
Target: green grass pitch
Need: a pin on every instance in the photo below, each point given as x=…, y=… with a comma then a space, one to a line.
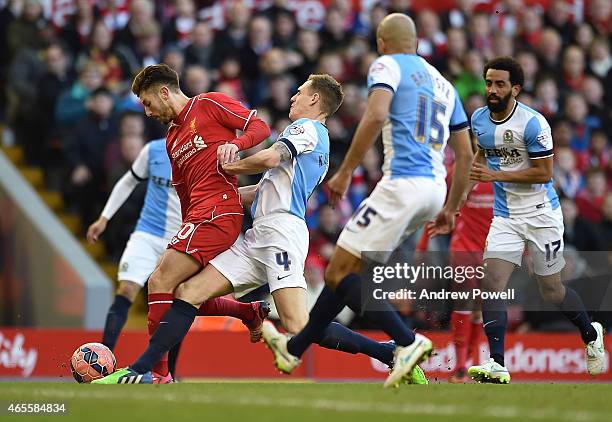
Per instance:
x=294, y=401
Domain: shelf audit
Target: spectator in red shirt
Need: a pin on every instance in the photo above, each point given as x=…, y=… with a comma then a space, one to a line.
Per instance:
x=590, y=199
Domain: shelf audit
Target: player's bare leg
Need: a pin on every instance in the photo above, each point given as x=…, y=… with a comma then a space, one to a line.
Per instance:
x=117, y=314
x=292, y=307
x=495, y=320
x=569, y=303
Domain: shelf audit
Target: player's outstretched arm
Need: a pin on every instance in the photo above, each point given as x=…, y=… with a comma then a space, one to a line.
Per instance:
x=368, y=130
x=261, y=161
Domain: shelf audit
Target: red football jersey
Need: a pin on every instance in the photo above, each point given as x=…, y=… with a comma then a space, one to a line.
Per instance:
x=472, y=224
x=208, y=121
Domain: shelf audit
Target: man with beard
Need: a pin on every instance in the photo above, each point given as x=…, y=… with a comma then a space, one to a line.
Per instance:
x=516, y=154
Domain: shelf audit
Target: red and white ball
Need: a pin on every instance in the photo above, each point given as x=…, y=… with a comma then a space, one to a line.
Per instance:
x=92, y=361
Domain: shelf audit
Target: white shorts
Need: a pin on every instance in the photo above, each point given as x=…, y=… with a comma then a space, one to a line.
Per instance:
x=542, y=233
x=273, y=251
x=140, y=257
x=394, y=209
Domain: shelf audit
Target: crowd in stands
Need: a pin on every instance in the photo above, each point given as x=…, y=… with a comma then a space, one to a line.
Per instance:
x=65, y=79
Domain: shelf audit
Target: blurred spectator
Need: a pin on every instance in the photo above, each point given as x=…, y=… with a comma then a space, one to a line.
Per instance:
x=503, y=45
x=480, y=34
x=583, y=37
x=572, y=68
x=568, y=179
x=601, y=59
x=470, y=80
x=432, y=41
x=80, y=26
x=531, y=26
x=308, y=43
x=451, y=65
x=377, y=13
x=281, y=90
x=27, y=30
x=174, y=58
x=234, y=37
x=529, y=63
x=201, y=49
x=230, y=73
x=577, y=113
x=547, y=97
x=146, y=50
x=285, y=30
x=599, y=150
x=562, y=132
x=197, y=80
x=258, y=43
x=600, y=15
x=401, y=6
x=548, y=50
x=85, y=149
x=558, y=17
x=590, y=199
x=334, y=34
x=459, y=15
x=180, y=26
x=57, y=78
x=141, y=19
x=99, y=51
x=473, y=101
x=71, y=104
x=579, y=232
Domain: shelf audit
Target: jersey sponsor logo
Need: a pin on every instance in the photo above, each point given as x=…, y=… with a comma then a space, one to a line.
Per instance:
x=377, y=68
x=502, y=152
x=508, y=137
x=199, y=142
x=296, y=130
x=544, y=138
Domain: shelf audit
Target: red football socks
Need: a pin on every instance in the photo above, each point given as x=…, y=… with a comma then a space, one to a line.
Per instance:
x=221, y=306
x=159, y=303
x=462, y=327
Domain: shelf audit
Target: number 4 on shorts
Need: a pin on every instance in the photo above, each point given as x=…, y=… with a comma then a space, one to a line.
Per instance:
x=282, y=258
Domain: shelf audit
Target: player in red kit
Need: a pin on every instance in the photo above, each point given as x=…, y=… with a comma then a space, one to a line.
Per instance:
x=201, y=137
x=466, y=248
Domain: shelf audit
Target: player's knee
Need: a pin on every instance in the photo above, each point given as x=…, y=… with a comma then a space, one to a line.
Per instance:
x=493, y=282
x=128, y=289
x=160, y=282
x=551, y=293
x=334, y=275
x=189, y=294
x=293, y=324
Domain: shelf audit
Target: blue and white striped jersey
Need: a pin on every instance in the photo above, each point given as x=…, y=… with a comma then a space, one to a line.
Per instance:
x=161, y=213
x=286, y=188
x=509, y=145
x=424, y=110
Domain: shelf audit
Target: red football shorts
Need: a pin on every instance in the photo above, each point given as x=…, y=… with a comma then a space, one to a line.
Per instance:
x=206, y=239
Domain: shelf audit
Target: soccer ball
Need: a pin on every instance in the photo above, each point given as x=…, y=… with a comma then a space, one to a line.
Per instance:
x=92, y=361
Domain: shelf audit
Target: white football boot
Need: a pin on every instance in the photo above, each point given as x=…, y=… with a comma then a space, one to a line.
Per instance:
x=406, y=358
x=277, y=343
x=595, y=352
x=490, y=372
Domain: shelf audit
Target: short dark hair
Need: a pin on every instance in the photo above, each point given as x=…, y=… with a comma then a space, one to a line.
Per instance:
x=157, y=74
x=102, y=90
x=330, y=91
x=517, y=77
